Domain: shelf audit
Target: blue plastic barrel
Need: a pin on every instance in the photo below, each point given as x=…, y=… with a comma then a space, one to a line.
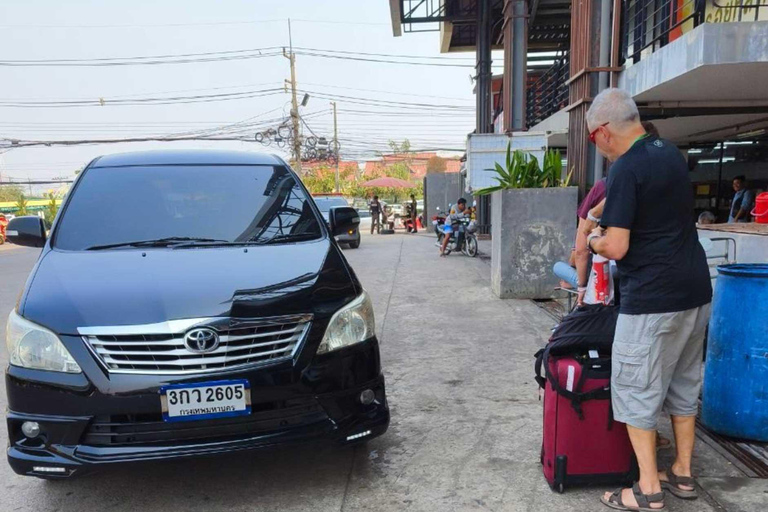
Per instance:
x=735, y=398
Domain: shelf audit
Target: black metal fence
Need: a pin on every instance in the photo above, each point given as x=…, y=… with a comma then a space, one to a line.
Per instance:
x=549, y=93
x=648, y=25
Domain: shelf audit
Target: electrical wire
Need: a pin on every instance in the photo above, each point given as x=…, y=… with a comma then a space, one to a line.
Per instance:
x=168, y=100
x=148, y=60
x=201, y=24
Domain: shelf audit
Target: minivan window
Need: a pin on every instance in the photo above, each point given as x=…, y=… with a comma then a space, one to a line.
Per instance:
x=228, y=204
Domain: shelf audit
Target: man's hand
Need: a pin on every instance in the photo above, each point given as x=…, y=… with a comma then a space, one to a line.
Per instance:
x=598, y=232
x=580, y=296
x=588, y=226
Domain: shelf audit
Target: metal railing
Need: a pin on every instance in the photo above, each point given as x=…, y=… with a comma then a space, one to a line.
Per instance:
x=648, y=25
x=549, y=93
x=654, y=23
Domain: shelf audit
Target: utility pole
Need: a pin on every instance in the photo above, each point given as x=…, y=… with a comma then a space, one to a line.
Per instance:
x=294, y=103
x=336, y=145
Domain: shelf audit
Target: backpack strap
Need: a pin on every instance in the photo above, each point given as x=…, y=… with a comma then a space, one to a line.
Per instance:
x=576, y=396
x=541, y=381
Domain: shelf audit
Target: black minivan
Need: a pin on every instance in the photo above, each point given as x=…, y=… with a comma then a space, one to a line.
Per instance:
x=187, y=303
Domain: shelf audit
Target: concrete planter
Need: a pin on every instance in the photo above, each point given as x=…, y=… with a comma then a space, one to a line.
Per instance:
x=531, y=230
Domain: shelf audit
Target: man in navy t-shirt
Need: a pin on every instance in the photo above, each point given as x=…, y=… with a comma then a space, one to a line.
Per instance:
x=648, y=227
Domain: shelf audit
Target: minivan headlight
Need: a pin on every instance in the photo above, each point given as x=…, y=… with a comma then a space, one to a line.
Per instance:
x=351, y=324
x=33, y=346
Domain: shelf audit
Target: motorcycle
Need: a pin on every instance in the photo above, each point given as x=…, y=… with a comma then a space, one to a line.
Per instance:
x=438, y=221
x=469, y=245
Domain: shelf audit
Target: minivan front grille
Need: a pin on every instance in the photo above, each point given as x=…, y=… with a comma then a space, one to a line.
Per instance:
x=150, y=429
x=159, y=350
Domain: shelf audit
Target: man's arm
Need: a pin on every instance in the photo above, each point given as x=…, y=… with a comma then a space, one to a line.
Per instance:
x=589, y=224
x=612, y=243
x=581, y=256
x=582, y=252
x=746, y=203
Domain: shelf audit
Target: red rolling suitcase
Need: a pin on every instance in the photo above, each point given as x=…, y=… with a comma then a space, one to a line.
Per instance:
x=582, y=443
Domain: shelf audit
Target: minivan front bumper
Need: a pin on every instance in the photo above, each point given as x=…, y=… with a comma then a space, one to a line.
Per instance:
x=84, y=427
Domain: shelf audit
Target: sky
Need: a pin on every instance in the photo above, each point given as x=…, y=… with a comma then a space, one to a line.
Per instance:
x=431, y=105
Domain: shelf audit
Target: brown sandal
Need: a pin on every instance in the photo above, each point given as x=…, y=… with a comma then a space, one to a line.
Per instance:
x=673, y=483
x=643, y=500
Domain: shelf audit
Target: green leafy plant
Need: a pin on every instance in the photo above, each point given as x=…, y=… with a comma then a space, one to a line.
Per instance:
x=21, y=206
x=51, y=208
x=522, y=170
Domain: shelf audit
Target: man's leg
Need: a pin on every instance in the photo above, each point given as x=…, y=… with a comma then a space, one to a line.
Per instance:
x=446, y=239
x=637, y=394
x=644, y=444
x=566, y=273
x=685, y=383
x=685, y=434
x=460, y=238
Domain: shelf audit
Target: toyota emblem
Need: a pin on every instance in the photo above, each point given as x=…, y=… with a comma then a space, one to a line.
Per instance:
x=201, y=340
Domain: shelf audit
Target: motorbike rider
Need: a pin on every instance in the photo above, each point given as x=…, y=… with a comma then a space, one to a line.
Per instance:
x=453, y=224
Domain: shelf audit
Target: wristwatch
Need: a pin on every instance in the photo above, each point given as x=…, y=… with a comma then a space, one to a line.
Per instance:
x=592, y=218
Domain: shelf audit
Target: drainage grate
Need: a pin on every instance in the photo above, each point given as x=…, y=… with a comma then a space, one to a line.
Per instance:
x=749, y=456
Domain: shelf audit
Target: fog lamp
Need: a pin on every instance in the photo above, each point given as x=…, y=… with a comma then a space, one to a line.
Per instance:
x=31, y=429
x=367, y=397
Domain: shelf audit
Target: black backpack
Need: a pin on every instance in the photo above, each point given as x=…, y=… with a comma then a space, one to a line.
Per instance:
x=587, y=328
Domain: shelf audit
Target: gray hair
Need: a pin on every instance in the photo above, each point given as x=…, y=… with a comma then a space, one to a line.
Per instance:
x=707, y=217
x=613, y=106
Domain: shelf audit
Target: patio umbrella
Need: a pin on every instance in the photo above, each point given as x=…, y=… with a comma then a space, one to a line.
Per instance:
x=387, y=182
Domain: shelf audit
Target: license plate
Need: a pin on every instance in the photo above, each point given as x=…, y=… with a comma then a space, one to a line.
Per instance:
x=205, y=400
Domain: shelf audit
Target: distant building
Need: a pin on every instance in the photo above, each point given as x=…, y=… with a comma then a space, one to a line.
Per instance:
x=417, y=162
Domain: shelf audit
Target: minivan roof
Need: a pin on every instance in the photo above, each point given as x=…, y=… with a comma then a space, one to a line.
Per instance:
x=187, y=157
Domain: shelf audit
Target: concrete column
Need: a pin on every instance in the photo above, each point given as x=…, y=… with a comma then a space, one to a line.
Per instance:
x=483, y=68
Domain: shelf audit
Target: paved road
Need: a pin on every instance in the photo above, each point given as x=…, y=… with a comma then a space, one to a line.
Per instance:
x=466, y=419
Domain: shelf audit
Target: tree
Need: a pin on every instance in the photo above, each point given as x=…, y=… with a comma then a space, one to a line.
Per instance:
x=399, y=170
x=400, y=148
x=435, y=164
x=10, y=193
x=51, y=208
x=21, y=206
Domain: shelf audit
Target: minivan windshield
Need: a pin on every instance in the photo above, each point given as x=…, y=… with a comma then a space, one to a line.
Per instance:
x=325, y=203
x=185, y=204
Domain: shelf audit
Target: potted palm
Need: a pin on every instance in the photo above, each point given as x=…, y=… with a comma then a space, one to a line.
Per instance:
x=533, y=224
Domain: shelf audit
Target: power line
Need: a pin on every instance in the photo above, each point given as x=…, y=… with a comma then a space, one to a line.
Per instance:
x=401, y=56
x=239, y=54
x=147, y=60
x=201, y=24
x=168, y=100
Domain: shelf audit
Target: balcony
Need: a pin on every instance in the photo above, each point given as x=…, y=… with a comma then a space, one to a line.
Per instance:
x=549, y=94
x=649, y=25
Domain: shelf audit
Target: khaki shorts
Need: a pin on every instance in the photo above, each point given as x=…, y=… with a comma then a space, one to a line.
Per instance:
x=657, y=362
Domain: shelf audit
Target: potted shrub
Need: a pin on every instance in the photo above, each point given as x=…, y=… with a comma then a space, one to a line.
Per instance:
x=533, y=224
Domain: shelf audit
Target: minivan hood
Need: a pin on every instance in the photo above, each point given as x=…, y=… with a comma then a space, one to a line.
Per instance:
x=132, y=287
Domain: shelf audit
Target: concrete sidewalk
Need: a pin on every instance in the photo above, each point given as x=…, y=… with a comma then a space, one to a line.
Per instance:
x=466, y=419
x=466, y=428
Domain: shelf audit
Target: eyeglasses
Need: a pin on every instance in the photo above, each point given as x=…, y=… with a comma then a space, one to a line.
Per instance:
x=593, y=133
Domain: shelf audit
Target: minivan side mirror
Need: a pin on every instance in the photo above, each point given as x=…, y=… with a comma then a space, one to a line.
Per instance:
x=28, y=231
x=342, y=219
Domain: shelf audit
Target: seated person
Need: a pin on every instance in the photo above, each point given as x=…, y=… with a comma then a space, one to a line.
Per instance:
x=452, y=224
x=576, y=271
x=705, y=218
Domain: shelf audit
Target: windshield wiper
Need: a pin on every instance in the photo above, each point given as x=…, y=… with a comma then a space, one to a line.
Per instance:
x=287, y=238
x=159, y=242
